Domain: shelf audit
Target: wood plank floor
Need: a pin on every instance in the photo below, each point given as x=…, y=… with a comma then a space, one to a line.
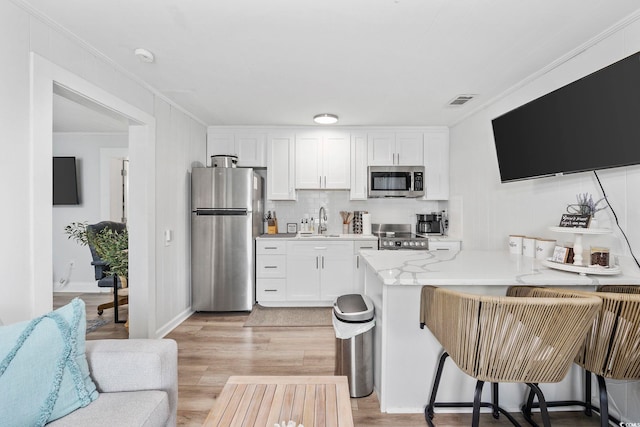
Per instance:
x=214, y=346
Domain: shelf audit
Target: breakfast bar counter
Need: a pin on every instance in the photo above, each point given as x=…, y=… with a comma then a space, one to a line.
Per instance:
x=405, y=356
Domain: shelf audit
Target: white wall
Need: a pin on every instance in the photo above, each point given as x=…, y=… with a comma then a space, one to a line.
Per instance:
x=176, y=131
x=383, y=211
x=490, y=211
x=72, y=262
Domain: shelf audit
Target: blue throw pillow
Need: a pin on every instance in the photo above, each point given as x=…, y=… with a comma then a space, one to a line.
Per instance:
x=43, y=368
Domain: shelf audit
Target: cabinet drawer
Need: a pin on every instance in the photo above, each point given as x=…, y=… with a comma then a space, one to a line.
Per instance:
x=271, y=266
x=271, y=246
x=270, y=290
x=319, y=247
x=444, y=246
x=366, y=245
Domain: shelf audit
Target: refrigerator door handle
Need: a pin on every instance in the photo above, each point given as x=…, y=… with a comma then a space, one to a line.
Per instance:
x=221, y=211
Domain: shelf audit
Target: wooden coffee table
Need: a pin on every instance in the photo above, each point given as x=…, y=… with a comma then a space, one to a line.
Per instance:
x=264, y=401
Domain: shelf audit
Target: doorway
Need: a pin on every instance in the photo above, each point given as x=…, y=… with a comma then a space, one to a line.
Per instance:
x=46, y=78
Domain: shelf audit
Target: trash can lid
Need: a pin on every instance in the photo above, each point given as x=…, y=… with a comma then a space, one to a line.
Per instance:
x=353, y=308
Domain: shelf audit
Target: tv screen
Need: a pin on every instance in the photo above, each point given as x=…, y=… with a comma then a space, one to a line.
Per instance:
x=65, y=184
x=592, y=123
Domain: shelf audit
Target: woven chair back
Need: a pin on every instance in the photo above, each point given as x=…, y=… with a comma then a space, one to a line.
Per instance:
x=612, y=346
x=508, y=339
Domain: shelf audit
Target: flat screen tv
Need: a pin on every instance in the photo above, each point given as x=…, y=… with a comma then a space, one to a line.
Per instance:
x=590, y=124
x=65, y=182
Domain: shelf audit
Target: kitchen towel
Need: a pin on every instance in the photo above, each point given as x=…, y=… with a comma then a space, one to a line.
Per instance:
x=366, y=223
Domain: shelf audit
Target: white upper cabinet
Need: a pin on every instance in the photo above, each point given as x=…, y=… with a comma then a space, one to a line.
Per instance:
x=280, y=166
x=358, y=166
x=251, y=149
x=436, y=163
x=409, y=148
x=323, y=160
x=395, y=148
x=248, y=146
x=382, y=148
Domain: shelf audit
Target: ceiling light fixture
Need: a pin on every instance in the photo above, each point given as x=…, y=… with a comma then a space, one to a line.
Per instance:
x=325, y=119
x=144, y=55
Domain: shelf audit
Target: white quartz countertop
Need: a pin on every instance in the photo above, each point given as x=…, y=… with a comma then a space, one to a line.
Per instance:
x=471, y=267
x=328, y=236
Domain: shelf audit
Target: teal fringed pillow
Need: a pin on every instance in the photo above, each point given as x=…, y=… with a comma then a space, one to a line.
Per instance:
x=43, y=368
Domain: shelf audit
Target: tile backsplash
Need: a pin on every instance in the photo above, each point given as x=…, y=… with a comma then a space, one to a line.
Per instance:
x=396, y=210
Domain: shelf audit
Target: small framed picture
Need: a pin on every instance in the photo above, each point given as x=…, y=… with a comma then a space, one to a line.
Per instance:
x=562, y=254
x=292, y=227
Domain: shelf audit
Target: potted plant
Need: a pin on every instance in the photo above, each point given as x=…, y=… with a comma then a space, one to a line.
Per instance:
x=110, y=245
x=586, y=206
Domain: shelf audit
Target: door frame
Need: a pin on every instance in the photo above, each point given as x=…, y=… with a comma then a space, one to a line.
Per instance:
x=46, y=75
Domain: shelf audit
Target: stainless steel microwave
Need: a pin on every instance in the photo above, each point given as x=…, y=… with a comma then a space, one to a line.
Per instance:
x=396, y=181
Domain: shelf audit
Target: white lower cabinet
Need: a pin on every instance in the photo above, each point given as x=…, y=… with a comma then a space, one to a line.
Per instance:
x=319, y=271
x=358, y=264
x=271, y=270
x=294, y=272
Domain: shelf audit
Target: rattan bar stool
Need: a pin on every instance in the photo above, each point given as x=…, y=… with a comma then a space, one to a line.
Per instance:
x=504, y=339
x=610, y=349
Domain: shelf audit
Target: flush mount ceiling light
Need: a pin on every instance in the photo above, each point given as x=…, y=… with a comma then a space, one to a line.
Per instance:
x=143, y=55
x=325, y=119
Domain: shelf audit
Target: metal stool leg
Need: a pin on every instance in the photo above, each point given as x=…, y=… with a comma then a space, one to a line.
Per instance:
x=475, y=421
x=428, y=411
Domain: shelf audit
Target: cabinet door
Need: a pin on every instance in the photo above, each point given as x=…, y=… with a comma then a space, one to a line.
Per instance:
x=250, y=149
x=336, y=161
x=308, y=161
x=359, y=265
x=436, y=163
x=409, y=148
x=303, y=276
x=280, y=167
x=336, y=271
x=358, y=167
x=219, y=143
x=382, y=148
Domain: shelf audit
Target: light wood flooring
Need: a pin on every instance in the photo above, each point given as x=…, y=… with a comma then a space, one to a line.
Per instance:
x=214, y=346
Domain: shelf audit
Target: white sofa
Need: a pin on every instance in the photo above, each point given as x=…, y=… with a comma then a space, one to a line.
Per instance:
x=138, y=384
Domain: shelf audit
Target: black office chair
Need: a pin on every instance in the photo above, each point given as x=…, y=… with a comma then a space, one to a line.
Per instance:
x=106, y=280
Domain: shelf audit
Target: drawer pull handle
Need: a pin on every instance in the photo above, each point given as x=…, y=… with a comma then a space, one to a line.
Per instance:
x=366, y=247
x=442, y=249
x=271, y=247
x=270, y=266
x=271, y=290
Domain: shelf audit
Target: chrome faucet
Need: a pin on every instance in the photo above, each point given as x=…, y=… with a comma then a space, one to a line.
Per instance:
x=322, y=220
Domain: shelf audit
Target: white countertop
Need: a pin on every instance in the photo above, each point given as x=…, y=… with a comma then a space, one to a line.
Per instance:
x=471, y=267
x=319, y=236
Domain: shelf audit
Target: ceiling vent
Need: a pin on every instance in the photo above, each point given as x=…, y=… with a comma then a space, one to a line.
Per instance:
x=460, y=100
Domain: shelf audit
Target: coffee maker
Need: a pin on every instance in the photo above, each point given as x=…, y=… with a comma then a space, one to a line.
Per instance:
x=432, y=224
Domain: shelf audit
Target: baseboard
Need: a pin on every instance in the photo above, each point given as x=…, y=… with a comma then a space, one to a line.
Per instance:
x=173, y=323
x=80, y=287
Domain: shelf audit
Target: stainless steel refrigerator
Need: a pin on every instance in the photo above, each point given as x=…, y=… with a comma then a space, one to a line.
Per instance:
x=227, y=206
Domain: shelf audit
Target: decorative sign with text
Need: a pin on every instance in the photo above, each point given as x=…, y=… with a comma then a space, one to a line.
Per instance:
x=575, y=221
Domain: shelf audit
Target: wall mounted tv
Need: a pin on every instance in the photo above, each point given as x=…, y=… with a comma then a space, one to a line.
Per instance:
x=592, y=123
x=65, y=182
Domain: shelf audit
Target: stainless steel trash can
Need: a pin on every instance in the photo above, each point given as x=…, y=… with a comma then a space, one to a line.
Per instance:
x=353, y=323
